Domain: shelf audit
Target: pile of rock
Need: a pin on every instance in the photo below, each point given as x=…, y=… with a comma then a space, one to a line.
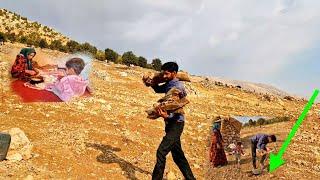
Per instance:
x=207, y=83
x=101, y=75
x=4, y=75
x=210, y=84
x=20, y=146
x=191, y=90
x=267, y=97
x=230, y=129
x=289, y=98
x=123, y=74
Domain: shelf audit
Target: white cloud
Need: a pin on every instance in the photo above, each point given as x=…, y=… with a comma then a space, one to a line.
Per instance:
x=149, y=28
x=180, y=32
x=252, y=37
x=177, y=6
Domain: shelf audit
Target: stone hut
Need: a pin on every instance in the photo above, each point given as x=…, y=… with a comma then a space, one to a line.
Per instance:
x=230, y=129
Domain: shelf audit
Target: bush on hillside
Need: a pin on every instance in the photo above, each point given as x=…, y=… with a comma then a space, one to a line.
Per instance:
x=73, y=46
x=88, y=48
x=55, y=45
x=260, y=122
x=100, y=55
x=3, y=37
x=129, y=58
x=142, y=62
x=43, y=44
x=111, y=55
x=156, y=64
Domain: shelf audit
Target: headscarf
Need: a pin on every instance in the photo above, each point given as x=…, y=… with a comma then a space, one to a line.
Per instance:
x=25, y=52
x=216, y=126
x=216, y=131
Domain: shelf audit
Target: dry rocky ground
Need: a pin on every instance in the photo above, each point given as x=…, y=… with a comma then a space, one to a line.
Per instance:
x=107, y=135
x=302, y=156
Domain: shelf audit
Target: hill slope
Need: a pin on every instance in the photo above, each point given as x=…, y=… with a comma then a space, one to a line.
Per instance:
x=21, y=26
x=258, y=88
x=108, y=135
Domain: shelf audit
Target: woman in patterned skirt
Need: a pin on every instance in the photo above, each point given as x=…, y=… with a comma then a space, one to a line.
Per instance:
x=217, y=155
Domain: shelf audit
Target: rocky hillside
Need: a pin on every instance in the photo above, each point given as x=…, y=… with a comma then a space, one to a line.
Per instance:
x=257, y=88
x=14, y=23
x=108, y=135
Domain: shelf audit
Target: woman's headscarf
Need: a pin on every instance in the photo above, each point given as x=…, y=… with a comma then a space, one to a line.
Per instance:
x=216, y=131
x=216, y=126
x=25, y=52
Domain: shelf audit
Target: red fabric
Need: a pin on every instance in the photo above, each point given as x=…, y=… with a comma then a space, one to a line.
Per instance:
x=217, y=155
x=33, y=95
x=19, y=67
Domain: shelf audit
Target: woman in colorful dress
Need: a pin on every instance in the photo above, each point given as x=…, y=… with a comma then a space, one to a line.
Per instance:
x=24, y=67
x=217, y=155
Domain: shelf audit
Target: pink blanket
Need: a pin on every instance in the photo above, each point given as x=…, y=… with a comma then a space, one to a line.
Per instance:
x=68, y=87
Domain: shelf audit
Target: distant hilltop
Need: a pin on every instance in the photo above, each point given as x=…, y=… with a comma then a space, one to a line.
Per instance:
x=13, y=23
x=268, y=91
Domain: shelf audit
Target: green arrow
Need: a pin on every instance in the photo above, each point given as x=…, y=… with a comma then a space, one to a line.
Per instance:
x=276, y=159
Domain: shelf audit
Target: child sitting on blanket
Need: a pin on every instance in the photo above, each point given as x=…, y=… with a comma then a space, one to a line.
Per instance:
x=72, y=84
x=172, y=102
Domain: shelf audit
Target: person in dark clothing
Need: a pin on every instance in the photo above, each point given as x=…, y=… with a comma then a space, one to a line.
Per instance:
x=174, y=123
x=260, y=142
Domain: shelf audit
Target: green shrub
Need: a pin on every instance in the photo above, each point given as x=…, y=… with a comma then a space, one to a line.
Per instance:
x=100, y=55
x=111, y=55
x=55, y=45
x=23, y=39
x=43, y=44
x=263, y=121
x=142, y=62
x=156, y=63
x=73, y=46
x=88, y=48
x=3, y=37
x=129, y=58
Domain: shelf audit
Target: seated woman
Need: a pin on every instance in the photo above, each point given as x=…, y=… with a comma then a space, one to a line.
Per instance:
x=24, y=67
x=72, y=84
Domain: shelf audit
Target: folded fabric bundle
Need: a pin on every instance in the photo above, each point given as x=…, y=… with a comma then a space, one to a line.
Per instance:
x=172, y=102
x=45, y=80
x=153, y=79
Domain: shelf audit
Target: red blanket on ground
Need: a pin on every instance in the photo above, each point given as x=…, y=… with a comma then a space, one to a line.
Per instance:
x=34, y=95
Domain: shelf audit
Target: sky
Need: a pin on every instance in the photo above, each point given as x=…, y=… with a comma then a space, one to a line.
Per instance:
x=274, y=42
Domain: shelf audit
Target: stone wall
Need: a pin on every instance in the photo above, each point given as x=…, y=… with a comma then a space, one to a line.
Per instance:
x=230, y=129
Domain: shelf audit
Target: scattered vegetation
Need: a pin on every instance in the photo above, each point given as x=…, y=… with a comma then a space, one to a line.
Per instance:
x=129, y=58
x=111, y=55
x=261, y=121
x=156, y=64
x=43, y=44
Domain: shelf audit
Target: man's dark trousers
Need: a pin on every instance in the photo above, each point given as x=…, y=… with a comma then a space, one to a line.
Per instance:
x=254, y=155
x=171, y=143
